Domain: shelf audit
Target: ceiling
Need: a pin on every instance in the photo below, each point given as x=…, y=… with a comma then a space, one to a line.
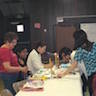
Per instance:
x=15, y=8
x=21, y=8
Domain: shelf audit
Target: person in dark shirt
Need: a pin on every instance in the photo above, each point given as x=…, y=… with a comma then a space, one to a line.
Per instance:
x=22, y=53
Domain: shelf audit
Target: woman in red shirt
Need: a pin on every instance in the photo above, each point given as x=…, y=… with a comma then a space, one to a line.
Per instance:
x=9, y=67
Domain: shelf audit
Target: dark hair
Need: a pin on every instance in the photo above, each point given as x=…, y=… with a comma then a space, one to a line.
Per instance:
x=64, y=50
x=39, y=44
x=10, y=36
x=80, y=38
x=19, y=48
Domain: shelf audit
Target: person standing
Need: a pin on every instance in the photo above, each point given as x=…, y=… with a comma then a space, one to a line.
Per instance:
x=86, y=51
x=9, y=67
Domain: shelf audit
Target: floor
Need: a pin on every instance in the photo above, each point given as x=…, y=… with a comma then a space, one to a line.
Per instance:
x=1, y=85
x=87, y=92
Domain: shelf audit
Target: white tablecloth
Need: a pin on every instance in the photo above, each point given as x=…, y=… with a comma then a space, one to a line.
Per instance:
x=69, y=85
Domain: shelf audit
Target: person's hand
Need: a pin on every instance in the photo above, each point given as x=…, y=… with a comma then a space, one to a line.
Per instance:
x=21, y=61
x=61, y=74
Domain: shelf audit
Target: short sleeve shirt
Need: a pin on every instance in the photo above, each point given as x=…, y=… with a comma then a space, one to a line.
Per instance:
x=7, y=55
x=88, y=57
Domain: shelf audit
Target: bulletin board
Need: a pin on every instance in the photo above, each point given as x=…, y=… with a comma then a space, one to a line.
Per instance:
x=90, y=29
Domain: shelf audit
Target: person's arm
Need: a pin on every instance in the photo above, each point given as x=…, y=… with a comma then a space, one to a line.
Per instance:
x=21, y=62
x=10, y=68
x=70, y=69
x=6, y=58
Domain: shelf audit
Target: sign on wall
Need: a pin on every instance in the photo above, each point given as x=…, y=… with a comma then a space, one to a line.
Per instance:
x=20, y=28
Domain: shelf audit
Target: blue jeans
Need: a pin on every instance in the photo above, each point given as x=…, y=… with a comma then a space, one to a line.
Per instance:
x=9, y=79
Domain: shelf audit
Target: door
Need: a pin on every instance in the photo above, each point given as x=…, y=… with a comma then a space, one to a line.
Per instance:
x=64, y=37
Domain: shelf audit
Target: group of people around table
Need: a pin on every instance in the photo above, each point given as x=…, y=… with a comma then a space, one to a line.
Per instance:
x=12, y=64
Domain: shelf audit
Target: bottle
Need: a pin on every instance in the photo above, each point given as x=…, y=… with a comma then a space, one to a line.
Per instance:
x=51, y=69
x=56, y=59
x=50, y=61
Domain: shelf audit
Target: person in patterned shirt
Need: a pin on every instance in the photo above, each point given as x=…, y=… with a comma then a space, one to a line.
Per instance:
x=86, y=52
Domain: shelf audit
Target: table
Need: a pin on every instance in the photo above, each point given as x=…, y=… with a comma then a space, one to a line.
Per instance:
x=70, y=85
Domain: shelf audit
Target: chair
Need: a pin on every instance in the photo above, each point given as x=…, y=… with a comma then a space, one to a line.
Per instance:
x=18, y=85
x=6, y=92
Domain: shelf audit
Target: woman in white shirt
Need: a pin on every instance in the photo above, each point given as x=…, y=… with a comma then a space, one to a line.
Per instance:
x=34, y=62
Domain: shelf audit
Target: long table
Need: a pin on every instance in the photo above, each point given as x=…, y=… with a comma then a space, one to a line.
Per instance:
x=70, y=85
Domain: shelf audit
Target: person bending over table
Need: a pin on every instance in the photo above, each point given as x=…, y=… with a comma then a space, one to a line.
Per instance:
x=67, y=57
x=86, y=51
x=9, y=67
x=64, y=55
